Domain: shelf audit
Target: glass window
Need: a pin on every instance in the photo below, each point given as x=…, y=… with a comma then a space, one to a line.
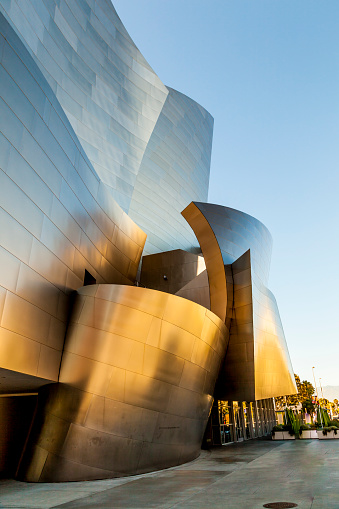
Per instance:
x=239, y=433
x=246, y=419
x=225, y=422
x=254, y=420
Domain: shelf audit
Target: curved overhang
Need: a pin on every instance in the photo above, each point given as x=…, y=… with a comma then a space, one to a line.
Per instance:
x=213, y=258
x=236, y=232
x=257, y=363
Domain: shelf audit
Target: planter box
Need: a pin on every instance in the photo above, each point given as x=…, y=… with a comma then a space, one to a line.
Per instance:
x=308, y=433
x=329, y=435
x=282, y=435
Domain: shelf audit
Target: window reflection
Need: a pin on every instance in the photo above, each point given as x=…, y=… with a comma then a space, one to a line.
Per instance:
x=225, y=422
x=242, y=420
x=246, y=420
x=237, y=421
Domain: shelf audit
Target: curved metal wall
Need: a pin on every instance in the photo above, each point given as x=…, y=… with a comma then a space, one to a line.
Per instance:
x=137, y=380
x=150, y=144
x=273, y=368
x=257, y=364
x=109, y=92
x=57, y=218
x=174, y=171
x=86, y=127
x=213, y=259
x=237, y=232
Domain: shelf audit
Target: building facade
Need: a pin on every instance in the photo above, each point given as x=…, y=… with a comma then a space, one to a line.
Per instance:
x=128, y=304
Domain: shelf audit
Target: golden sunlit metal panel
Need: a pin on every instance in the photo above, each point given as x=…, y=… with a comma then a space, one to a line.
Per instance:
x=136, y=386
x=237, y=249
x=213, y=258
x=83, y=153
x=170, y=271
x=58, y=221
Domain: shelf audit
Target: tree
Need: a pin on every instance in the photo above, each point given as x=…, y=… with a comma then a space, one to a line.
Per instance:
x=303, y=397
x=308, y=406
x=306, y=390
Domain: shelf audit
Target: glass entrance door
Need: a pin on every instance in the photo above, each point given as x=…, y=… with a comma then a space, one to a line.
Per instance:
x=225, y=422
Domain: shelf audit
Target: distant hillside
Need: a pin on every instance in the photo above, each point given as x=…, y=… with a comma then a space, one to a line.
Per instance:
x=331, y=392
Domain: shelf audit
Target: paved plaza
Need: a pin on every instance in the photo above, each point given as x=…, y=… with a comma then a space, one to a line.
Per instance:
x=244, y=476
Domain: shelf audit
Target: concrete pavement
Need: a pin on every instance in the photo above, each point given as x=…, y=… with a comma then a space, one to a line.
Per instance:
x=244, y=476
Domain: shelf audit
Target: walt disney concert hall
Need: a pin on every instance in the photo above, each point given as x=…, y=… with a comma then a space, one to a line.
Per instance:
x=136, y=322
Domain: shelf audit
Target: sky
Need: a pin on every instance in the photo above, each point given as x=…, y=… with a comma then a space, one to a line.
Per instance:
x=268, y=72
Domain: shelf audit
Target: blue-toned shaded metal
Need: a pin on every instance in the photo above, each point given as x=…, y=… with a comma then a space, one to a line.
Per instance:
x=174, y=171
x=95, y=153
x=108, y=91
x=150, y=144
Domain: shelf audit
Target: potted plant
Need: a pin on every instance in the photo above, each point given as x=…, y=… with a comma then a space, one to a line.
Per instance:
x=329, y=429
x=328, y=432
x=283, y=432
x=289, y=430
x=308, y=431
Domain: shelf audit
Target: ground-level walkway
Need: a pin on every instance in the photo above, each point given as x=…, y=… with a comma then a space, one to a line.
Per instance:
x=237, y=476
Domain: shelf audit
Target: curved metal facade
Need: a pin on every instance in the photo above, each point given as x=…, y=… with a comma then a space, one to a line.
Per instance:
x=150, y=144
x=137, y=381
x=236, y=232
x=109, y=93
x=237, y=248
x=95, y=155
x=57, y=218
x=174, y=171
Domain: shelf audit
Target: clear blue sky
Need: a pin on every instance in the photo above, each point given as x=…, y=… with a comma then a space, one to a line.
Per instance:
x=268, y=72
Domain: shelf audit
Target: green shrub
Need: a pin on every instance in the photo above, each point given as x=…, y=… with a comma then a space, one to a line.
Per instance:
x=328, y=429
x=281, y=427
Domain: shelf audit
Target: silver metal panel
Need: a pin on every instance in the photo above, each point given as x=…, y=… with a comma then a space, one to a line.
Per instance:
x=54, y=221
x=96, y=80
x=87, y=133
x=173, y=172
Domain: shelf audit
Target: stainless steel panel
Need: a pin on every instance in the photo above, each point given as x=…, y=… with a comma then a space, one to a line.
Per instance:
x=9, y=270
x=172, y=173
x=121, y=420
x=213, y=258
x=62, y=468
x=88, y=126
x=85, y=374
x=257, y=349
x=161, y=455
x=24, y=318
x=101, y=450
x=75, y=74
x=49, y=362
x=121, y=393
x=162, y=365
x=193, y=377
x=23, y=357
x=46, y=207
